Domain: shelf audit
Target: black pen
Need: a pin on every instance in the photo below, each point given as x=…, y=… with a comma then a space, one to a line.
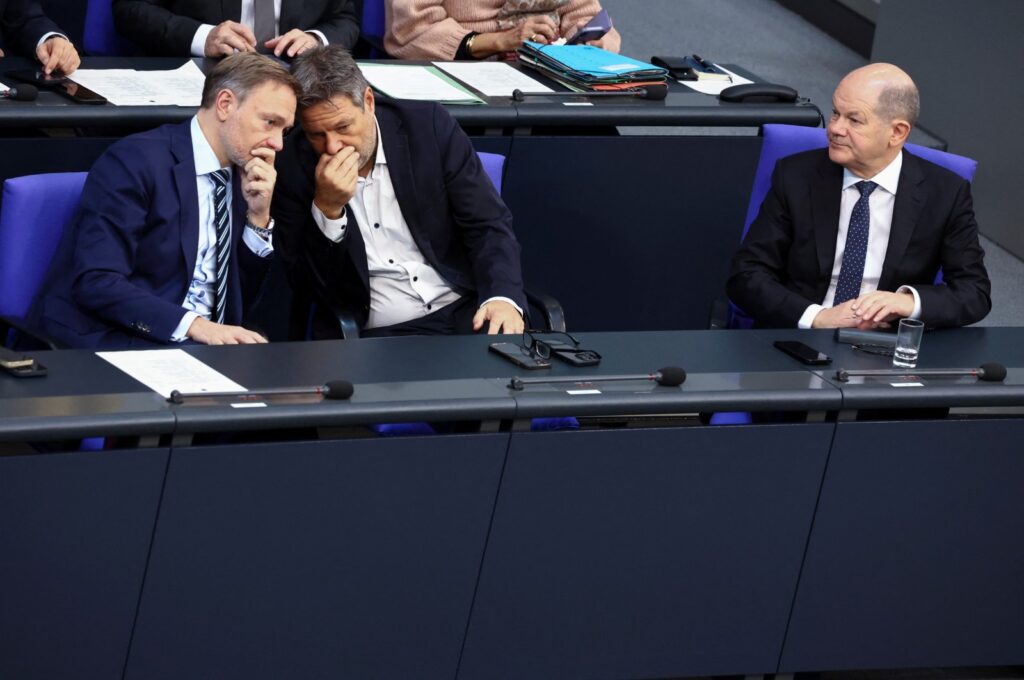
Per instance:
x=700, y=60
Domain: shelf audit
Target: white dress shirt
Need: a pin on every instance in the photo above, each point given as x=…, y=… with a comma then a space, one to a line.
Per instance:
x=880, y=203
x=248, y=18
x=403, y=285
x=199, y=298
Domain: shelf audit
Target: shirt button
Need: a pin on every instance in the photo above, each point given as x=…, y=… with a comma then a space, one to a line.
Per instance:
x=376, y=226
x=429, y=307
x=391, y=261
x=415, y=278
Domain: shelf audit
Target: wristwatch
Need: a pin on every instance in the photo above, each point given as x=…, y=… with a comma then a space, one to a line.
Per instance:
x=263, y=232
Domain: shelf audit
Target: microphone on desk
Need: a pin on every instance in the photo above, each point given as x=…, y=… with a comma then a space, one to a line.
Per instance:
x=652, y=92
x=21, y=93
x=335, y=389
x=669, y=376
x=990, y=372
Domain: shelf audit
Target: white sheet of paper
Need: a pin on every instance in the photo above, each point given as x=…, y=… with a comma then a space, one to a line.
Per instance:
x=182, y=86
x=491, y=78
x=914, y=384
x=411, y=82
x=715, y=87
x=166, y=370
x=3, y=88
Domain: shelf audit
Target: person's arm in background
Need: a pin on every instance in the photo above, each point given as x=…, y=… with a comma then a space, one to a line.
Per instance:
x=338, y=23
x=150, y=24
x=577, y=15
x=31, y=32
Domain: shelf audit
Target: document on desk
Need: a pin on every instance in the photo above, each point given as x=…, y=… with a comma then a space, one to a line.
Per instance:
x=715, y=87
x=491, y=78
x=424, y=83
x=182, y=86
x=166, y=370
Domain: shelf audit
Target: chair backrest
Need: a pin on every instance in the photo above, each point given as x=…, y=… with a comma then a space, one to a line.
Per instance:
x=780, y=141
x=372, y=26
x=99, y=37
x=494, y=166
x=35, y=211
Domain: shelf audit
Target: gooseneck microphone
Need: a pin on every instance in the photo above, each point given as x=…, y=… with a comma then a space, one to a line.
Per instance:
x=335, y=389
x=652, y=92
x=669, y=376
x=21, y=93
x=990, y=372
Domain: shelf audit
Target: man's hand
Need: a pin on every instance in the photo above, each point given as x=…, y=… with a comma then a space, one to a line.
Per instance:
x=336, y=178
x=57, y=54
x=258, y=179
x=229, y=37
x=209, y=333
x=503, y=318
x=882, y=306
x=292, y=43
x=840, y=316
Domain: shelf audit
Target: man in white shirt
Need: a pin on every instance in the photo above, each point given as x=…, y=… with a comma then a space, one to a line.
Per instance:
x=383, y=209
x=205, y=28
x=853, y=236
x=173, y=235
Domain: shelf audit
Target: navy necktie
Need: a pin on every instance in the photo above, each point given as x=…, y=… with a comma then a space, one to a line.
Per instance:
x=222, y=248
x=851, y=273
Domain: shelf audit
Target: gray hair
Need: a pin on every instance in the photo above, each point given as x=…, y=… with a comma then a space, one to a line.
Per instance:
x=899, y=101
x=326, y=72
x=243, y=72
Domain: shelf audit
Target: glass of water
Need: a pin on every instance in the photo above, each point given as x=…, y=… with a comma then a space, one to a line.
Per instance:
x=908, y=343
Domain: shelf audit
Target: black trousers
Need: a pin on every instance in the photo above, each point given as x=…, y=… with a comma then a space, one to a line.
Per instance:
x=455, y=318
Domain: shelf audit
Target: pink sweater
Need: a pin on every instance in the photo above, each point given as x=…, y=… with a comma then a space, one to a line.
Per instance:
x=433, y=29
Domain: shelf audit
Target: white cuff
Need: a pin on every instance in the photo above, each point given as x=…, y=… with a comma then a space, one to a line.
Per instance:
x=180, y=332
x=807, y=320
x=199, y=40
x=503, y=299
x=258, y=245
x=320, y=36
x=47, y=36
x=333, y=230
x=917, y=300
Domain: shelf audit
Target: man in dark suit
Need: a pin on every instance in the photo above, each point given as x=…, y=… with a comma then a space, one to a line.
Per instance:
x=854, y=236
x=208, y=28
x=384, y=209
x=173, y=234
x=30, y=32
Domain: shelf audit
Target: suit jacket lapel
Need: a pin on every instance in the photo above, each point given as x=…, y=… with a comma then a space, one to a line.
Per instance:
x=396, y=145
x=910, y=198
x=289, y=18
x=826, y=193
x=188, y=196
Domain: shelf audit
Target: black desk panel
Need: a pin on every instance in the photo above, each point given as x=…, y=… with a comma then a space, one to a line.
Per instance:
x=75, y=532
x=643, y=554
x=916, y=557
x=326, y=559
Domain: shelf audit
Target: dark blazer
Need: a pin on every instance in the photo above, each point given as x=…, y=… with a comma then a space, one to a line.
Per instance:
x=785, y=262
x=125, y=265
x=166, y=27
x=455, y=215
x=22, y=24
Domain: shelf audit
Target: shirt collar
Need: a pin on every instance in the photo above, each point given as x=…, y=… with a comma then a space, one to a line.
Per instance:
x=205, y=159
x=888, y=178
x=379, y=159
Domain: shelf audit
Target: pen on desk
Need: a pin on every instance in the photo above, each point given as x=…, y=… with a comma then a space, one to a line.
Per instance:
x=700, y=60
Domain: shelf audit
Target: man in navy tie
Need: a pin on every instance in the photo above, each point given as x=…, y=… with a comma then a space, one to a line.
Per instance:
x=173, y=236
x=853, y=236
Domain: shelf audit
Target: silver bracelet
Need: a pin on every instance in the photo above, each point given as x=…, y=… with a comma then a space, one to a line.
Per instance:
x=263, y=232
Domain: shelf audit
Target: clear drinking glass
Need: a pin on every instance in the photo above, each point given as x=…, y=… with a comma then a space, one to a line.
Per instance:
x=908, y=343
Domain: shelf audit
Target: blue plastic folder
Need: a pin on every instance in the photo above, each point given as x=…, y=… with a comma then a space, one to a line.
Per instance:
x=591, y=64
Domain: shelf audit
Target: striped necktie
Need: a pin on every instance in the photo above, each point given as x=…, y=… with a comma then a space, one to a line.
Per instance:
x=222, y=249
x=851, y=272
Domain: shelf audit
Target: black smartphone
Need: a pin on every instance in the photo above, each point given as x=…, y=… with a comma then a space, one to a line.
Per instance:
x=586, y=34
x=519, y=355
x=803, y=353
x=37, y=77
x=79, y=94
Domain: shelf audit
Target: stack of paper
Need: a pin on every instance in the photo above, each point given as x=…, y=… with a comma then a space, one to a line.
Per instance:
x=424, y=83
x=585, y=67
x=126, y=87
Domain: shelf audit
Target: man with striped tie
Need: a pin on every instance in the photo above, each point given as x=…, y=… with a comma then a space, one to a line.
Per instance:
x=173, y=236
x=854, y=235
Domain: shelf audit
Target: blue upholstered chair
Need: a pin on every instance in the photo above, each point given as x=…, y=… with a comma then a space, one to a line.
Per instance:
x=99, y=37
x=371, y=28
x=35, y=211
x=780, y=141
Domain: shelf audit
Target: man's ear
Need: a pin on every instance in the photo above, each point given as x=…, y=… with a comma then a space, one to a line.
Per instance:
x=224, y=104
x=368, y=102
x=899, y=132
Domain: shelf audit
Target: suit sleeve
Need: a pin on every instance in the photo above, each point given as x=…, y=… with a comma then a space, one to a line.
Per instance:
x=24, y=23
x=113, y=215
x=338, y=23
x=758, y=271
x=482, y=218
x=151, y=25
x=964, y=295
